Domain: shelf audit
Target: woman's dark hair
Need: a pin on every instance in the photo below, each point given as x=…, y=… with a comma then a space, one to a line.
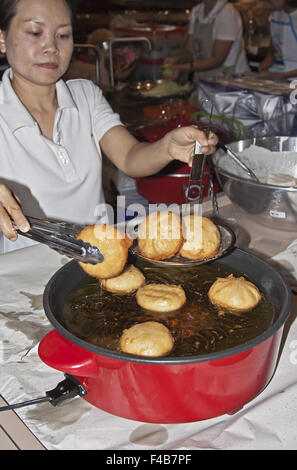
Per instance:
x=8, y=10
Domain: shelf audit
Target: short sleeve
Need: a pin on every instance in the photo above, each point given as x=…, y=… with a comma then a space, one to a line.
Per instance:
x=228, y=25
x=93, y=106
x=103, y=116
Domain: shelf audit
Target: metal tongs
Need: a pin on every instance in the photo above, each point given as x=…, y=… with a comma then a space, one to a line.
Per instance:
x=238, y=161
x=197, y=172
x=60, y=236
x=198, y=164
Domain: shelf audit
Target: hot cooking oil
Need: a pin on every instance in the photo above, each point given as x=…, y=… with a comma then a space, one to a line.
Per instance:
x=99, y=317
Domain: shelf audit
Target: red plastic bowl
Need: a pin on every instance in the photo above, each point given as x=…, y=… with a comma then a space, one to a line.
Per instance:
x=170, y=186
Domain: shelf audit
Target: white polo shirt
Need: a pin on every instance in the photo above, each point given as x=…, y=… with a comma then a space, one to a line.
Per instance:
x=227, y=26
x=59, y=178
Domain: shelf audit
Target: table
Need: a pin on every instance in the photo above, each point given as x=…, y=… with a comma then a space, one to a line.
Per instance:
x=267, y=422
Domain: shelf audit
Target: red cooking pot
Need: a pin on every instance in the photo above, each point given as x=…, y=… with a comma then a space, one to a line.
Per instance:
x=168, y=389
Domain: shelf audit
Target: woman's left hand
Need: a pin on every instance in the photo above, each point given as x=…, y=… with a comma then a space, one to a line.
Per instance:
x=181, y=143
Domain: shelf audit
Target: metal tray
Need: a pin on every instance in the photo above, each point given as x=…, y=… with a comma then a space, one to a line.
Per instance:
x=227, y=243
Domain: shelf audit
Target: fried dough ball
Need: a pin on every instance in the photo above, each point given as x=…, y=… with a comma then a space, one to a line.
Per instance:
x=128, y=281
x=147, y=339
x=114, y=246
x=161, y=297
x=160, y=235
x=234, y=293
x=202, y=237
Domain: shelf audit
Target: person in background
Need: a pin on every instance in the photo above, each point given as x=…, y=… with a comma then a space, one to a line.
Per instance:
x=281, y=58
x=53, y=133
x=214, y=43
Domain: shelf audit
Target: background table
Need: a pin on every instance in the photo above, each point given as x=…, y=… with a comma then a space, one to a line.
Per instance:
x=267, y=422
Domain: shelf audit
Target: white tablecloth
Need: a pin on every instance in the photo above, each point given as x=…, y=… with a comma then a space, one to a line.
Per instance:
x=267, y=422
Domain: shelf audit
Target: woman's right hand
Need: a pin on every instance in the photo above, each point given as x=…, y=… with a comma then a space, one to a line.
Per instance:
x=11, y=214
x=170, y=72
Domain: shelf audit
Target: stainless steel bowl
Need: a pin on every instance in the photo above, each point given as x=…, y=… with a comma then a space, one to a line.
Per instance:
x=268, y=204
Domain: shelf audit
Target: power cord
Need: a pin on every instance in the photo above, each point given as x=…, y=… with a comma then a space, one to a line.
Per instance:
x=70, y=387
x=25, y=403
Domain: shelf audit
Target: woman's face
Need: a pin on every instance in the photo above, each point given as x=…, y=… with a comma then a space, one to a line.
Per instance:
x=39, y=41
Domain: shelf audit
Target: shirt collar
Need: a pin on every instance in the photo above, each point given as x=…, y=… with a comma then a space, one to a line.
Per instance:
x=65, y=99
x=15, y=113
x=212, y=14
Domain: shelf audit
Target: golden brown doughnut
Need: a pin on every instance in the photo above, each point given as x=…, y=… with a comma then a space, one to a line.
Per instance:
x=234, y=293
x=160, y=235
x=128, y=281
x=147, y=339
x=202, y=237
x=114, y=246
x=161, y=297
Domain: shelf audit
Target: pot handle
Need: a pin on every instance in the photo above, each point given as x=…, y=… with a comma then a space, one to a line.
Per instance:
x=59, y=353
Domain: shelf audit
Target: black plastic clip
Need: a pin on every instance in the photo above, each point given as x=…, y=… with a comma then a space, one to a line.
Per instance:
x=70, y=387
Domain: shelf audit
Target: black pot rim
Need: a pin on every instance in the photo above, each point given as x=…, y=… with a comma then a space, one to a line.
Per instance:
x=172, y=360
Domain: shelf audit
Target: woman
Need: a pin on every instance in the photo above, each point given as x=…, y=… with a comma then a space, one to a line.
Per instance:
x=282, y=51
x=214, y=43
x=52, y=133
